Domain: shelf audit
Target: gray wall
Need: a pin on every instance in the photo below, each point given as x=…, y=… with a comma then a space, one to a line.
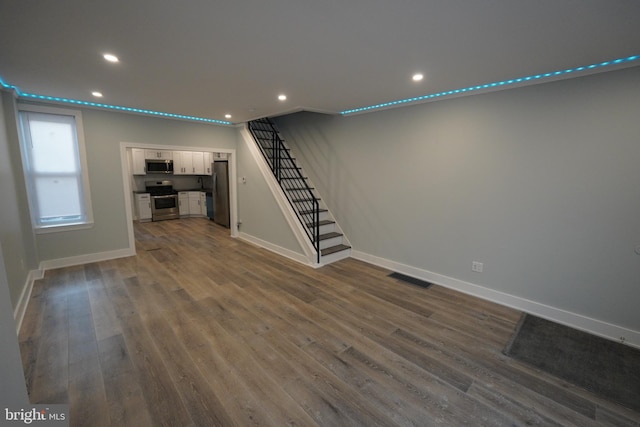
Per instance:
x=541, y=184
x=103, y=133
x=16, y=235
x=17, y=257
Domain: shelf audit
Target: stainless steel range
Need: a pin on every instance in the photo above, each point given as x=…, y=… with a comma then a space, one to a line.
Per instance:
x=164, y=200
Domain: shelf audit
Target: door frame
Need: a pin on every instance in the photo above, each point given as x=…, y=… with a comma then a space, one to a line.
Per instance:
x=127, y=176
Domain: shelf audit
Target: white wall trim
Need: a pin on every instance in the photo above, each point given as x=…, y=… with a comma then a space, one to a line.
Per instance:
x=574, y=320
x=281, y=199
x=86, y=258
x=287, y=253
x=128, y=192
x=21, y=307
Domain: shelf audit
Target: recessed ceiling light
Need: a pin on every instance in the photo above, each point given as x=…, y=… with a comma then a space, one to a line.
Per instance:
x=97, y=94
x=282, y=97
x=417, y=77
x=111, y=58
x=227, y=116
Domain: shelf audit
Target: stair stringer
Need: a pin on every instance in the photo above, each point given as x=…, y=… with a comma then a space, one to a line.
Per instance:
x=281, y=199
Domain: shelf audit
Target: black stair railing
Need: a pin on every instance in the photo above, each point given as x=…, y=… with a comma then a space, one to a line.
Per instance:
x=294, y=185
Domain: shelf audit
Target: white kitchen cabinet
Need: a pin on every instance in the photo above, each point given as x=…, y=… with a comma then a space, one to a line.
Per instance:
x=143, y=206
x=192, y=203
x=183, y=163
x=195, y=204
x=203, y=203
x=138, y=161
x=198, y=162
x=191, y=163
x=219, y=156
x=183, y=203
x=179, y=158
x=159, y=154
x=208, y=159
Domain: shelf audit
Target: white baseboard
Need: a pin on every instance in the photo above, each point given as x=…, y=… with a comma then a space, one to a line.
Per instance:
x=21, y=307
x=287, y=253
x=574, y=320
x=86, y=259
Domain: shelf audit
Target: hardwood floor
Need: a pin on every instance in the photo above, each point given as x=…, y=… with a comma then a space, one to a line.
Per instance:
x=200, y=329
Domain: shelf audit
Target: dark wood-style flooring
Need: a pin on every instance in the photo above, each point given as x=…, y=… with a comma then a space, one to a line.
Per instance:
x=200, y=329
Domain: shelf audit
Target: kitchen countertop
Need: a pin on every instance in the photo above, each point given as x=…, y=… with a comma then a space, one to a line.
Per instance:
x=196, y=189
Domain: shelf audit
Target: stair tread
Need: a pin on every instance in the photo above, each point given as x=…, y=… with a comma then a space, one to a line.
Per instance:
x=330, y=235
x=303, y=200
x=334, y=249
x=272, y=148
x=295, y=177
x=323, y=222
x=299, y=189
x=311, y=211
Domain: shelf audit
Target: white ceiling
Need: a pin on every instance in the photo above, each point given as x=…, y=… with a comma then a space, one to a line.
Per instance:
x=206, y=58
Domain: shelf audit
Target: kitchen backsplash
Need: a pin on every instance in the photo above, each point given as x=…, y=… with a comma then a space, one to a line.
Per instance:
x=180, y=182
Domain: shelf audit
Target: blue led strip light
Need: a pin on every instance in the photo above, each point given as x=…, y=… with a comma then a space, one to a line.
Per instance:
x=6, y=85
x=111, y=107
x=493, y=85
x=120, y=108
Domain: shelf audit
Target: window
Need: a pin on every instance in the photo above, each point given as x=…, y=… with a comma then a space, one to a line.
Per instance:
x=55, y=168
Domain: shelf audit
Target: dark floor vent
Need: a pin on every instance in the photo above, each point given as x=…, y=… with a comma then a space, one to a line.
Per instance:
x=411, y=280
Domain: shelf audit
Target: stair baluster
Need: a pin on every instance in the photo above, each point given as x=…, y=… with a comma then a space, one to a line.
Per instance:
x=285, y=169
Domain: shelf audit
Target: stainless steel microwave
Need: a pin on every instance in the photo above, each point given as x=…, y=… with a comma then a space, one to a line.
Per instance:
x=159, y=166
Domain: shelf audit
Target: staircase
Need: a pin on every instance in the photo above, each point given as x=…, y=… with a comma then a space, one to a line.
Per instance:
x=320, y=227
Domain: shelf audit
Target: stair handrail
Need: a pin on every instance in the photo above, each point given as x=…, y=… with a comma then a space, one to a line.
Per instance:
x=306, y=205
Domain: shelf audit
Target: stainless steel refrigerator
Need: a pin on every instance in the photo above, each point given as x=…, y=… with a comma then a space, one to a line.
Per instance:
x=221, y=192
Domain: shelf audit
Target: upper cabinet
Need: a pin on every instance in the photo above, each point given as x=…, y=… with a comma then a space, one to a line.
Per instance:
x=198, y=163
x=138, y=161
x=184, y=162
x=208, y=159
x=191, y=163
x=159, y=154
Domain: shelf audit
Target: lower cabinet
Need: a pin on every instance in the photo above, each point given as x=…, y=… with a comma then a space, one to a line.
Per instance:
x=203, y=203
x=143, y=207
x=183, y=203
x=192, y=203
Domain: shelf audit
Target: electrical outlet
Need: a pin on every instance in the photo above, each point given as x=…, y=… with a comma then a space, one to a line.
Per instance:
x=477, y=266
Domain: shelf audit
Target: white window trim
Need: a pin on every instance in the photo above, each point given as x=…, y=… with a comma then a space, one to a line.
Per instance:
x=56, y=228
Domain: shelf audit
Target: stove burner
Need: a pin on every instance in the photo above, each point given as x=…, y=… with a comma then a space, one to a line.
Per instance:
x=160, y=188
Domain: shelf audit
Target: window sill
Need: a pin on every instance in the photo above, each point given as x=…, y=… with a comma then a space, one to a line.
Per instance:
x=63, y=228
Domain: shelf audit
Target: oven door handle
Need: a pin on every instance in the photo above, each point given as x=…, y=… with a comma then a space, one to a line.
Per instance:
x=164, y=197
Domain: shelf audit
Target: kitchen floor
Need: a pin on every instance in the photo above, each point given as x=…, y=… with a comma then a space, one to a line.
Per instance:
x=199, y=329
